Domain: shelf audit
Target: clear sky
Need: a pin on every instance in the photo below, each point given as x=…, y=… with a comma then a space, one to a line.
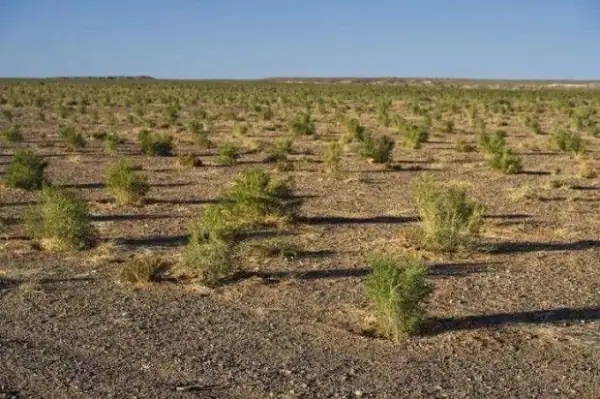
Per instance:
x=264, y=38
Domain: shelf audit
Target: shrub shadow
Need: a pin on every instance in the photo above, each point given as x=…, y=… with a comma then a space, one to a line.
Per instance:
x=442, y=270
x=120, y=218
x=440, y=325
x=520, y=247
x=337, y=220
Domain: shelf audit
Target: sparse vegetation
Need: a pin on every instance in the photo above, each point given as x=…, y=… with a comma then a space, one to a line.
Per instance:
x=74, y=139
x=26, y=171
x=333, y=156
x=398, y=288
x=60, y=221
x=12, y=134
x=378, y=149
x=303, y=125
x=154, y=144
x=124, y=184
x=228, y=154
x=564, y=140
x=144, y=269
x=449, y=219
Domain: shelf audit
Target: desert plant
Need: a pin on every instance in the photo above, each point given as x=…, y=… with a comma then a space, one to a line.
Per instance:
x=143, y=269
x=587, y=169
x=74, y=139
x=534, y=125
x=228, y=154
x=564, y=140
x=279, y=151
x=303, y=125
x=60, y=220
x=12, y=134
x=26, y=171
x=210, y=258
x=332, y=157
x=491, y=143
x=241, y=129
x=154, y=144
x=124, y=184
x=188, y=160
x=258, y=198
x=8, y=114
x=172, y=113
x=202, y=139
x=398, y=288
x=379, y=150
x=447, y=126
x=462, y=146
x=354, y=130
x=449, y=219
x=111, y=141
x=506, y=161
x=414, y=136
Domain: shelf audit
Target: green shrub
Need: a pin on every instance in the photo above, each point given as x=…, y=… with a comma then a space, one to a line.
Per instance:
x=154, y=144
x=12, y=134
x=506, y=161
x=210, y=258
x=258, y=198
x=447, y=126
x=188, y=161
x=73, y=138
x=586, y=169
x=303, y=125
x=279, y=150
x=534, y=125
x=379, y=150
x=111, y=141
x=228, y=154
x=398, y=288
x=203, y=141
x=354, y=130
x=332, y=157
x=172, y=113
x=566, y=141
x=491, y=143
x=60, y=220
x=414, y=136
x=462, y=146
x=7, y=114
x=449, y=219
x=144, y=269
x=241, y=129
x=26, y=171
x=124, y=184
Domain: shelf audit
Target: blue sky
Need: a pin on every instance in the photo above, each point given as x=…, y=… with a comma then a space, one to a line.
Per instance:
x=262, y=38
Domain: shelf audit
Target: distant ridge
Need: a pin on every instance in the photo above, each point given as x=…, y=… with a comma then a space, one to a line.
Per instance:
x=115, y=77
